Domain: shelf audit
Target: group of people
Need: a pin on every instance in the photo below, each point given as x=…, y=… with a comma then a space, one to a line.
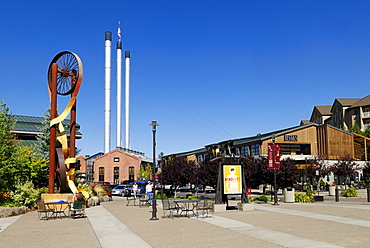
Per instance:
x=148, y=190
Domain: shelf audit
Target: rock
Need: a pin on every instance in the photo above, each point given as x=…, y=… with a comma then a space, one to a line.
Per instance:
x=11, y=211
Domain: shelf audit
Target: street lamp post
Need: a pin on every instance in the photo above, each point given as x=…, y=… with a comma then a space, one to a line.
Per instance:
x=154, y=203
x=274, y=161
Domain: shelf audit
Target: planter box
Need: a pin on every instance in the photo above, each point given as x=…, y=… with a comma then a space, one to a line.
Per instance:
x=219, y=208
x=318, y=198
x=245, y=207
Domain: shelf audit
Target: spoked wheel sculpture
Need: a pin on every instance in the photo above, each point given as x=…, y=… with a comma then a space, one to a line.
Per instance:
x=64, y=78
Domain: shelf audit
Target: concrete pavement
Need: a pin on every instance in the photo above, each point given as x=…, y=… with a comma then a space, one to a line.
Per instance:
x=113, y=224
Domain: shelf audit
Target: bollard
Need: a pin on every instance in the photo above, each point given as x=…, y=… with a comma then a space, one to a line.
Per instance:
x=336, y=194
x=368, y=194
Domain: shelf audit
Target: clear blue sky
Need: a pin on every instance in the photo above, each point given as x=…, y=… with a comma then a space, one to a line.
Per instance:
x=207, y=71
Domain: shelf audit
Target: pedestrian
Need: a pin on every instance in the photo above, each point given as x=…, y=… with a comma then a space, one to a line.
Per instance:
x=134, y=189
x=149, y=191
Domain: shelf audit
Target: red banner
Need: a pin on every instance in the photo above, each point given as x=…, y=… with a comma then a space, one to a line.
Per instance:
x=273, y=156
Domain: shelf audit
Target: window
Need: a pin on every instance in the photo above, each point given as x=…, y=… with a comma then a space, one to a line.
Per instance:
x=244, y=151
x=295, y=149
x=131, y=173
x=235, y=151
x=101, y=174
x=255, y=149
x=116, y=159
x=116, y=175
x=199, y=158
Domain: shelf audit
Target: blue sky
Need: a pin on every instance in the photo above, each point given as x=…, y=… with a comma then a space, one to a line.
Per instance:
x=207, y=71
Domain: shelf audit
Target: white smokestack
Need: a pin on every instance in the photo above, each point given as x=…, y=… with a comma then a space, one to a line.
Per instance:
x=119, y=93
x=127, y=98
x=108, y=48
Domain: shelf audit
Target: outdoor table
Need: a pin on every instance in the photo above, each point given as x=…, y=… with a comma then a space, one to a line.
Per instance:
x=187, y=206
x=57, y=208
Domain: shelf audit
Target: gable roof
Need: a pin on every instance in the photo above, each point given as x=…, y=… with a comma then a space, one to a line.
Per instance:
x=324, y=110
x=363, y=102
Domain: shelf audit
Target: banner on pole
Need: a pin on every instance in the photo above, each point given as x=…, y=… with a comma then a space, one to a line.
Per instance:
x=273, y=156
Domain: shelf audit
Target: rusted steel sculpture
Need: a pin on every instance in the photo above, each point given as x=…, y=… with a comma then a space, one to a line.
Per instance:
x=64, y=78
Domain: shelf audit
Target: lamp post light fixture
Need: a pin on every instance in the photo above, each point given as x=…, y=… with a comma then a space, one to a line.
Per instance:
x=274, y=161
x=154, y=202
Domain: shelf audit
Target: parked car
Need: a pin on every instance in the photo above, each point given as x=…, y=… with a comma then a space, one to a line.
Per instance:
x=120, y=189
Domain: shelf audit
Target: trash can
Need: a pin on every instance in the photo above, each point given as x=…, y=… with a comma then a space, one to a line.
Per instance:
x=289, y=195
x=331, y=190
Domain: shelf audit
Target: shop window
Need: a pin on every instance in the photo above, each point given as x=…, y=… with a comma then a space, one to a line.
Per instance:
x=295, y=149
x=255, y=149
x=244, y=151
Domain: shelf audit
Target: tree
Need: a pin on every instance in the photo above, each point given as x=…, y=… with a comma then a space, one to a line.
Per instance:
x=207, y=174
x=43, y=139
x=355, y=128
x=366, y=175
x=7, y=147
x=31, y=166
x=287, y=174
x=317, y=168
x=145, y=172
x=177, y=172
x=344, y=169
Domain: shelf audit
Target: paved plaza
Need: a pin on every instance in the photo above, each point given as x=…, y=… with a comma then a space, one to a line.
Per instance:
x=113, y=224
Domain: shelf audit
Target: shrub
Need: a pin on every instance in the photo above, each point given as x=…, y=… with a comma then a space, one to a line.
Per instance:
x=351, y=192
x=302, y=198
x=25, y=195
x=263, y=198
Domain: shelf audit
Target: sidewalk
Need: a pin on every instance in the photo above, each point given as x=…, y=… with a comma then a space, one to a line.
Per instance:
x=113, y=224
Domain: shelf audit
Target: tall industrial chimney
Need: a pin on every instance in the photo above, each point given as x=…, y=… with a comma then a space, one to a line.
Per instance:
x=119, y=91
x=127, y=100
x=108, y=48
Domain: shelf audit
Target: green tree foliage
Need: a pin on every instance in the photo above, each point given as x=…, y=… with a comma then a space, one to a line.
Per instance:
x=31, y=166
x=355, y=128
x=366, y=133
x=7, y=147
x=44, y=138
x=145, y=172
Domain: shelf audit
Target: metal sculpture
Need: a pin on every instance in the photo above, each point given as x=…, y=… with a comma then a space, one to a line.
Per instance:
x=64, y=78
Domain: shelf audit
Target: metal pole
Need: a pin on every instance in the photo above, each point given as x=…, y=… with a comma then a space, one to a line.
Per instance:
x=154, y=203
x=368, y=194
x=53, y=114
x=274, y=161
x=336, y=194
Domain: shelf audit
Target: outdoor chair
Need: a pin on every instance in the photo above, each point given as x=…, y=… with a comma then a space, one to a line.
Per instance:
x=42, y=210
x=131, y=199
x=144, y=200
x=77, y=210
x=205, y=207
x=169, y=208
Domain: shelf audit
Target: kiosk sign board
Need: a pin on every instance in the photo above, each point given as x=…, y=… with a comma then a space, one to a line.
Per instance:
x=232, y=177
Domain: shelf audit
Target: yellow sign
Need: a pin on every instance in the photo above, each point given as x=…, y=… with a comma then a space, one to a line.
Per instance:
x=232, y=179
